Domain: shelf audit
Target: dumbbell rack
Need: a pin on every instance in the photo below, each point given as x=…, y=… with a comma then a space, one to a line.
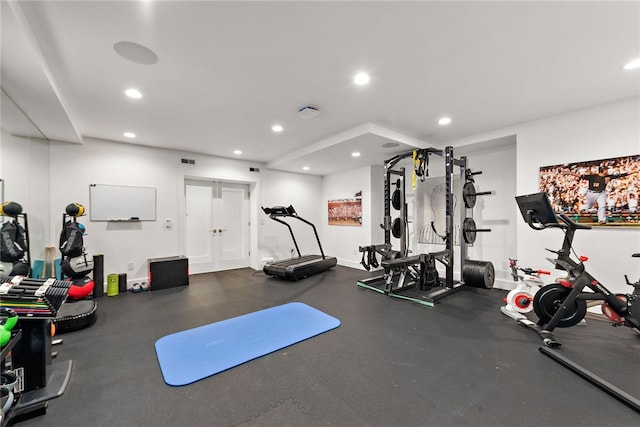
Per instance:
x=36, y=301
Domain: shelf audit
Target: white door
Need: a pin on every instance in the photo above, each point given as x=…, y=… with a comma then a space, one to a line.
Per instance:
x=217, y=225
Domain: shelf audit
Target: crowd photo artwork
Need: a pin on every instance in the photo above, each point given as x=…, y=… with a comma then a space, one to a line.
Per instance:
x=346, y=211
x=596, y=192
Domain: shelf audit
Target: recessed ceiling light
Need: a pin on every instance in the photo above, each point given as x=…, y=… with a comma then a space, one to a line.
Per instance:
x=361, y=78
x=238, y=152
x=444, y=121
x=305, y=168
x=355, y=154
x=390, y=145
x=129, y=134
x=133, y=93
x=277, y=128
x=631, y=65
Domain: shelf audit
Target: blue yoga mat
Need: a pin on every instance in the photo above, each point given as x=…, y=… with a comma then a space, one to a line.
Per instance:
x=188, y=356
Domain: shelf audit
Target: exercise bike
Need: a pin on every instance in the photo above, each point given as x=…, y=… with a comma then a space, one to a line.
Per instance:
x=520, y=300
x=564, y=303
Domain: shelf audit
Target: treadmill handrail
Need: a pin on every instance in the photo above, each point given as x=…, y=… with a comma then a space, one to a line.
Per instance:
x=280, y=211
x=290, y=231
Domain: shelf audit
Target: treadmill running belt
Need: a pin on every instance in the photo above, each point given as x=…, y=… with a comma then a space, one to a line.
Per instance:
x=294, y=261
x=301, y=267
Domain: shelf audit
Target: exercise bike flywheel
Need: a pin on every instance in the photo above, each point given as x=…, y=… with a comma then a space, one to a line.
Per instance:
x=520, y=300
x=549, y=299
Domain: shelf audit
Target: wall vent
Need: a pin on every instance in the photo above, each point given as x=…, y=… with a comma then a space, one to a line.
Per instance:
x=254, y=169
x=188, y=161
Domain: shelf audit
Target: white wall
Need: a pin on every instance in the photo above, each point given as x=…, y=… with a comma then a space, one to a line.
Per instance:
x=24, y=167
x=303, y=193
x=605, y=131
x=75, y=167
x=498, y=166
x=342, y=241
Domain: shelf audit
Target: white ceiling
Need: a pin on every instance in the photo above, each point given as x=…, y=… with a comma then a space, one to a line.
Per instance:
x=228, y=71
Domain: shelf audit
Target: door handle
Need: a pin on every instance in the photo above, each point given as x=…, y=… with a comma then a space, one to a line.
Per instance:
x=221, y=230
x=214, y=231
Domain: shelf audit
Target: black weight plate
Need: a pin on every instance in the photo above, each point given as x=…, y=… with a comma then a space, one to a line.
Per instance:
x=395, y=200
x=478, y=274
x=469, y=230
x=489, y=275
x=396, y=228
x=469, y=195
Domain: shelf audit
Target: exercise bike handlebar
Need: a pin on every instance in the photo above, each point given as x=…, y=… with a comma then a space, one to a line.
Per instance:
x=527, y=270
x=540, y=226
x=513, y=264
x=572, y=224
x=566, y=222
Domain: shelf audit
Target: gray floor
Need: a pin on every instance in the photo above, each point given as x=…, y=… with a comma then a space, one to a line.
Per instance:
x=390, y=363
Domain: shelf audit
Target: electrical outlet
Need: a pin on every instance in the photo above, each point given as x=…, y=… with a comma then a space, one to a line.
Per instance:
x=130, y=266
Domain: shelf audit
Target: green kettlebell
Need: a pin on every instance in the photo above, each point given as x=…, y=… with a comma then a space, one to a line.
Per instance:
x=6, y=325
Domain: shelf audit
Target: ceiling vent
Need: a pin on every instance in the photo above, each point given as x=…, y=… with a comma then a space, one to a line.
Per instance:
x=189, y=161
x=308, y=112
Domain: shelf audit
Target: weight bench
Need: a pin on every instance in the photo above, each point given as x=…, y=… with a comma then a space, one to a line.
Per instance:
x=401, y=266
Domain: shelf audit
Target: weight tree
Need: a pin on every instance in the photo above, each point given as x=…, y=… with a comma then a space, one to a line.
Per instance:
x=415, y=277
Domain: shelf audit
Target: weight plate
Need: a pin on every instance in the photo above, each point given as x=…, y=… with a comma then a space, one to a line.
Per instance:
x=395, y=200
x=469, y=194
x=478, y=274
x=396, y=228
x=469, y=230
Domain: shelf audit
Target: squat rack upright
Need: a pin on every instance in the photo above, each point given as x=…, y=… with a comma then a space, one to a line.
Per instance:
x=409, y=274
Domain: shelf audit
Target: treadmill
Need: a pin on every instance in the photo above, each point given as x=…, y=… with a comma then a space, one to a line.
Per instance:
x=304, y=265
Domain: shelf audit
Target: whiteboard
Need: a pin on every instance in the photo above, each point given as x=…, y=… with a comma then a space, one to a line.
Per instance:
x=122, y=203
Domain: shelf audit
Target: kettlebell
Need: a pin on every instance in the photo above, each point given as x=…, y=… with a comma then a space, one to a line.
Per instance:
x=6, y=325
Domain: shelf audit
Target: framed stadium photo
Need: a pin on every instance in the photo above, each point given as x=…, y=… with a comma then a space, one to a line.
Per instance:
x=597, y=192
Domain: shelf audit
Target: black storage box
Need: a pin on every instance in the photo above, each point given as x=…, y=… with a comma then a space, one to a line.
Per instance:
x=168, y=272
x=122, y=282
